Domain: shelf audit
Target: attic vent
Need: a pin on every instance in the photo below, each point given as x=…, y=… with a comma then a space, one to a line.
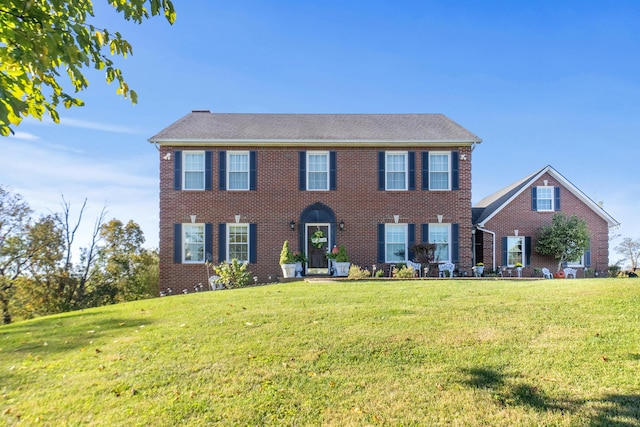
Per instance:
x=200, y=111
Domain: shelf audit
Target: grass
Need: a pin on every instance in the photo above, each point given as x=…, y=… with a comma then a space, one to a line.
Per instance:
x=387, y=353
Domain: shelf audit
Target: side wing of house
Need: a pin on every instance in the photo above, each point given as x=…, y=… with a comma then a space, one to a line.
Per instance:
x=506, y=224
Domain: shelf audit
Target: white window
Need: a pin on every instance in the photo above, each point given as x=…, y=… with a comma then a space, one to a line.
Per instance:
x=238, y=242
x=317, y=170
x=515, y=250
x=576, y=263
x=440, y=235
x=192, y=243
x=439, y=171
x=396, y=170
x=395, y=242
x=544, y=199
x=238, y=170
x=193, y=167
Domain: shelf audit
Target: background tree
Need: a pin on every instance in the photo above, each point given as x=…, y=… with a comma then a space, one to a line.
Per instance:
x=566, y=239
x=630, y=249
x=38, y=39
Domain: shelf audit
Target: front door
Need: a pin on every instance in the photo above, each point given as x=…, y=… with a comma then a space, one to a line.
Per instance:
x=317, y=238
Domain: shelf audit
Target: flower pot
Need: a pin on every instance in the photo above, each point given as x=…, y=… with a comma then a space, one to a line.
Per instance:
x=479, y=270
x=519, y=271
x=299, y=269
x=342, y=268
x=288, y=270
x=559, y=275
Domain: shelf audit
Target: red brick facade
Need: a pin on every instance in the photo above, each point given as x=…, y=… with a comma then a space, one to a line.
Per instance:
x=519, y=215
x=277, y=201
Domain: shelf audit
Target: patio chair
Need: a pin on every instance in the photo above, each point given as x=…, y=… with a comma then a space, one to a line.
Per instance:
x=546, y=273
x=416, y=267
x=447, y=266
x=570, y=271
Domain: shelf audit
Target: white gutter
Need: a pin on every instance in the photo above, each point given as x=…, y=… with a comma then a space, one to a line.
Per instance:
x=493, y=244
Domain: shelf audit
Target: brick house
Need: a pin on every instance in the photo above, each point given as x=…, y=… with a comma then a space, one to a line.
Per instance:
x=238, y=185
x=505, y=224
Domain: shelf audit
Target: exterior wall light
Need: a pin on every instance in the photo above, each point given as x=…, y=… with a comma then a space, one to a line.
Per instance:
x=341, y=225
x=292, y=224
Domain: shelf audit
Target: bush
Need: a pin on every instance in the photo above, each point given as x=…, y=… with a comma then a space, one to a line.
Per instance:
x=357, y=273
x=234, y=275
x=286, y=257
x=404, y=272
x=614, y=270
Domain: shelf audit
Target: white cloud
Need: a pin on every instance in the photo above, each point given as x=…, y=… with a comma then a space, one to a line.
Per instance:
x=26, y=136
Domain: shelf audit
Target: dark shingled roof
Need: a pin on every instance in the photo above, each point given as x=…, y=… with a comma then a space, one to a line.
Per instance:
x=206, y=126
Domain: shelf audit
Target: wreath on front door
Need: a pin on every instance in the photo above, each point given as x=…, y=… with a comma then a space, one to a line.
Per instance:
x=318, y=239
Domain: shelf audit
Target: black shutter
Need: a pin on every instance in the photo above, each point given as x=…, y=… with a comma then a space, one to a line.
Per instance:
x=253, y=243
x=177, y=170
x=381, y=171
x=253, y=184
x=222, y=170
x=411, y=240
x=208, y=242
x=425, y=233
x=412, y=170
x=222, y=242
x=556, y=197
x=177, y=243
x=534, y=198
x=381, y=257
x=208, y=170
x=455, y=243
x=587, y=255
x=332, y=171
x=425, y=171
x=504, y=251
x=302, y=170
x=527, y=251
x=455, y=170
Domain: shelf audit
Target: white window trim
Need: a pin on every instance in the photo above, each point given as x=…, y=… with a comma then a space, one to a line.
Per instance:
x=406, y=243
x=185, y=171
x=228, y=242
x=318, y=153
x=523, y=255
x=448, y=240
x=229, y=171
x=406, y=170
x=576, y=264
x=184, y=243
x=553, y=197
x=440, y=153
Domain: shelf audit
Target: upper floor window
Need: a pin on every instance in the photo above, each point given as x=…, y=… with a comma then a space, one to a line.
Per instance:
x=440, y=235
x=396, y=170
x=545, y=199
x=317, y=170
x=238, y=242
x=238, y=170
x=395, y=240
x=439, y=171
x=193, y=170
x=193, y=239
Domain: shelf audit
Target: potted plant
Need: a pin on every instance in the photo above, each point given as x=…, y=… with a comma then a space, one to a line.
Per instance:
x=518, y=267
x=342, y=262
x=287, y=263
x=300, y=259
x=479, y=269
x=331, y=257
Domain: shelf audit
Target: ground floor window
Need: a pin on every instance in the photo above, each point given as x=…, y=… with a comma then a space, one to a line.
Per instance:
x=440, y=235
x=395, y=242
x=238, y=242
x=193, y=243
x=515, y=251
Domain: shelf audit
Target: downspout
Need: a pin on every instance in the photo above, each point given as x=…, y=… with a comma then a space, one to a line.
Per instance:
x=493, y=244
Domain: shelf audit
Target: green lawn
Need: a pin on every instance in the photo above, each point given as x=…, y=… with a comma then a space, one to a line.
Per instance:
x=393, y=353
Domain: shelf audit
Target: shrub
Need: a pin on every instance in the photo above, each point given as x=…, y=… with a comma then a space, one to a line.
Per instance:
x=234, y=274
x=357, y=273
x=380, y=273
x=404, y=272
x=342, y=254
x=286, y=257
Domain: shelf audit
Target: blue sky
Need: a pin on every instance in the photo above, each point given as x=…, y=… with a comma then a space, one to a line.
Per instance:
x=541, y=83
